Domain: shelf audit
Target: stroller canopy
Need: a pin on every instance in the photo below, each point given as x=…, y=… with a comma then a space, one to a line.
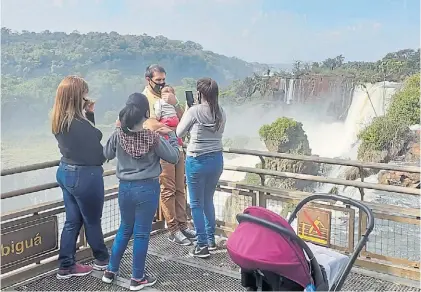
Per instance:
x=253, y=247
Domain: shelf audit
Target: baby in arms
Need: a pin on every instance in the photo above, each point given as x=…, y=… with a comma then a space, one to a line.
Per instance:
x=166, y=113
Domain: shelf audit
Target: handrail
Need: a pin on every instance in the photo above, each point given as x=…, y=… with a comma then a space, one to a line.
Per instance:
x=274, y=192
x=329, y=180
x=361, y=185
x=317, y=159
x=326, y=160
x=31, y=167
x=299, y=195
x=109, y=193
x=43, y=187
x=307, y=177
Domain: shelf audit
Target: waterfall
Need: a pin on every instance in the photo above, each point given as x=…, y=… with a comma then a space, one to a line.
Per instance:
x=360, y=114
x=291, y=90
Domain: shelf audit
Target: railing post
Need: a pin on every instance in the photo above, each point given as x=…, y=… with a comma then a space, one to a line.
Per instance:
x=82, y=237
x=363, y=229
x=262, y=176
x=361, y=171
x=261, y=199
x=360, y=219
x=351, y=229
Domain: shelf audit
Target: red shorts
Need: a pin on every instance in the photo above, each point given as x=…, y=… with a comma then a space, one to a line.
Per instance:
x=171, y=122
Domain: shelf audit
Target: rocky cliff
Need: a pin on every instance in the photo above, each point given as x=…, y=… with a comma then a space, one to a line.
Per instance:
x=335, y=91
x=286, y=135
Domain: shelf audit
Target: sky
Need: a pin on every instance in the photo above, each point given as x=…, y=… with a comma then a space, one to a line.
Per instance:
x=266, y=31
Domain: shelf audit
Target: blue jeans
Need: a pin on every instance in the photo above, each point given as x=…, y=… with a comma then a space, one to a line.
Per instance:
x=138, y=201
x=83, y=195
x=202, y=174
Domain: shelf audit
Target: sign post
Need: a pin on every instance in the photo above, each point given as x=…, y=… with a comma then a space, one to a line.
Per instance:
x=28, y=240
x=314, y=225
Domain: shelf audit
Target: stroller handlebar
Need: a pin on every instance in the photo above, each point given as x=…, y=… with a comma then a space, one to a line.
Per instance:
x=345, y=200
x=340, y=280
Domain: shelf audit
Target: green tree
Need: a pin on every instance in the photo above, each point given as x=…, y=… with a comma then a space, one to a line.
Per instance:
x=405, y=106
x=390, y=132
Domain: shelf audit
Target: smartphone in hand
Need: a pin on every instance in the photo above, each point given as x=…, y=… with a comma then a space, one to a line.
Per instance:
x=189, y=98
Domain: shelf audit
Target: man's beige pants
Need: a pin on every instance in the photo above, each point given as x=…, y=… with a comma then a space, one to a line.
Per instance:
x=173, y=195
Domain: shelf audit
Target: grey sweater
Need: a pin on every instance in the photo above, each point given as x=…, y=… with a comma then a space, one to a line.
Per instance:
x=131, y=168
x=199, y=122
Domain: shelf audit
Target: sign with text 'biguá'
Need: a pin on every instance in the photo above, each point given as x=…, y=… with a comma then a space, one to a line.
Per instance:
x=314, y=225
x=28, y=240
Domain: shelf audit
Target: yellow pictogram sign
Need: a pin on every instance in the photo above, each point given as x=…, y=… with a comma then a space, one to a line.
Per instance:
x=314, y=225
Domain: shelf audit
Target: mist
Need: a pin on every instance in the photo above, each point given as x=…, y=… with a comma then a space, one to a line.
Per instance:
x=327, y=137
x=322, y=130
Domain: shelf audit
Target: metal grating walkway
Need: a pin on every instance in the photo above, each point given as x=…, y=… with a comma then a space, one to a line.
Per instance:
x=177, y=271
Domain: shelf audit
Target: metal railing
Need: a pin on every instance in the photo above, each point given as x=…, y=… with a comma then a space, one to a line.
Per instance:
x=346, y=230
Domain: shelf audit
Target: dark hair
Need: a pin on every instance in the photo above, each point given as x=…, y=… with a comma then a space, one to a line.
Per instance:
x=135, y=111
x=208, y=88
x=152, y=69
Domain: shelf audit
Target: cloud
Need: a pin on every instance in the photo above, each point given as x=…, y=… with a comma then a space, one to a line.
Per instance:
x=241, y=28
x=377, y=26
x=58, y=3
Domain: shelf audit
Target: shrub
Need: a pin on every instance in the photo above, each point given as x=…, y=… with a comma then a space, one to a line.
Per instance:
x=389, y=133
x=405, y=106
x=382, y=132
x=280, y=129
x=285, y=135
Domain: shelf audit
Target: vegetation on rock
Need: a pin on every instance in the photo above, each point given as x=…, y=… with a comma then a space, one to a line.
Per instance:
x=285, y=135
x=382, y=133
x=405, y=106
x=387, y=136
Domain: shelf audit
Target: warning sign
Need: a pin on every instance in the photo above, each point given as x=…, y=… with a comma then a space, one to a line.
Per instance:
x=314, y=225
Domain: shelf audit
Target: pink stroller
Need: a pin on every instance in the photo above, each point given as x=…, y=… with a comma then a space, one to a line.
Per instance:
x=273, y=258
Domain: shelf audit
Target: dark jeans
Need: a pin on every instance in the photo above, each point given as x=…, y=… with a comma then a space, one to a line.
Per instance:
x=138, y=201
x=202, y=174
x=83, y=195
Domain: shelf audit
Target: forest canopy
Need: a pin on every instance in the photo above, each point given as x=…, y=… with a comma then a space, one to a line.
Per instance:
x=113, y=64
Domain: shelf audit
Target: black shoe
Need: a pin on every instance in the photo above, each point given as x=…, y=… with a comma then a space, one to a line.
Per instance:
x=108, y=277
x=147, y=281
x=189, y=233
x=179, y=238
x=200, y=252
x=212, y=246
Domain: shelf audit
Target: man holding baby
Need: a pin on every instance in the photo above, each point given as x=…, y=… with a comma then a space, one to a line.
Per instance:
x=165, y=110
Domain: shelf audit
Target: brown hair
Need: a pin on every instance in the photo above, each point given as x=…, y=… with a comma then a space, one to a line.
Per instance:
x=167, y=88
x=68, y=104
x=208, y=89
